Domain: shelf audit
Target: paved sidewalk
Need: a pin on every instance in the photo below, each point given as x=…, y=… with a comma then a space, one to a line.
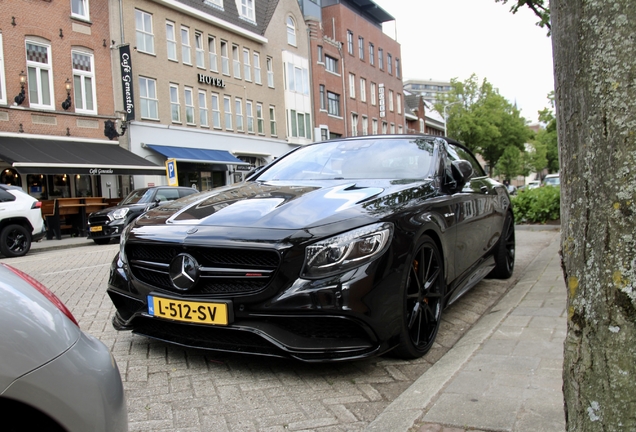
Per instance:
x=505, y=374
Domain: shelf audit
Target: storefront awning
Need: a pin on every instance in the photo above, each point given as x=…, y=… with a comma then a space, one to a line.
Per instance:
x=54, y=156
x=189, y=154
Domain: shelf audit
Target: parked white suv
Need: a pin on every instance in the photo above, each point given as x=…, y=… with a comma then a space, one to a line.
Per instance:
x=20, y=221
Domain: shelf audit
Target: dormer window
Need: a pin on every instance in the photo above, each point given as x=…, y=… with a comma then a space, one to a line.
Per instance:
x=246, y=9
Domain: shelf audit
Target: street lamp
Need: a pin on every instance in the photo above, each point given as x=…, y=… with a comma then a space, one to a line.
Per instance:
x=445, y=119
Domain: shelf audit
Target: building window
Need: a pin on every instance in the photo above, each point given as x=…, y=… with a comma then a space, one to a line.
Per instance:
x=354, y=124
x=175, y=106
x=374, y=126
x=212, y=54
x=247, y=9
x=381, y=58
x=238, y=106
x=373, y=92
x=185, y=46
x=272, y=120
x=400, y=129
x=291, y=31
x=300, y=124
x=391, y=100
x=397, y=68
x=236, y=61
x=257, y=68
x=333, y=104
x=320, y=54
x=227, y=107
x=249, y=112
x=171, y=41
x=189, y=105
x=361, y=47
x=203, y=109
x=363, y=90
x=365, y=125
x=352, y=86
x=148, y=98
x=3, y=84
x=389, y=63
x=40, y=76
x=331, y=64
x=79, y=9
x=145, y=38
x=371, y=54
x=199, y=53
x=350, y=42
x=260, y=122
x=247, y=67
x=225, y=58
x=398, y=99
x=270, y=72
x=217, y=3
x=384, y=127
x=323, y=96
x=297, y=79
x=392, y=128
x=84, y=82
x=216, y=111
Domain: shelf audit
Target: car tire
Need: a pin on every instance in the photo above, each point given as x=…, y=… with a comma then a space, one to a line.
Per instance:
x=102, y=241
x=15, y=241
x=423, y=292
x=505, y=251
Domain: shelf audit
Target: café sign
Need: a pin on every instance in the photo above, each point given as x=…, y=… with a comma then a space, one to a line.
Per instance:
x=210, y=80
x=127, y=81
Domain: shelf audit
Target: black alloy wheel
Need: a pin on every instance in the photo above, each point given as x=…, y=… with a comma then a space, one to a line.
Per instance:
x=15, y=241
x=505, y=251
x=424, y=301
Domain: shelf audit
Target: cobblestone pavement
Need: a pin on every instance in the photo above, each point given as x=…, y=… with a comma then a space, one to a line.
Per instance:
x=170, y=388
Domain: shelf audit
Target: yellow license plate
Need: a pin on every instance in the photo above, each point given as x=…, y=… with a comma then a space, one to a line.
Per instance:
x=188, y=311
x=96, y=228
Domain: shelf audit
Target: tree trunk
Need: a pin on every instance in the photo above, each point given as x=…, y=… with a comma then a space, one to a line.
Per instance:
x=594, y=47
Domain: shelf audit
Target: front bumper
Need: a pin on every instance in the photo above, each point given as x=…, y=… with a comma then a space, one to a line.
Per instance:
x=347, y=317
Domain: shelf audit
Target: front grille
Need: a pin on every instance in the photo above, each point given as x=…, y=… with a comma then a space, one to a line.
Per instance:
x=224, y=271
x=98, y=220
x=320, y=328
x=209, y=337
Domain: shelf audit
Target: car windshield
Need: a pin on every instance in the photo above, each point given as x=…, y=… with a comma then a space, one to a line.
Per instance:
x=139, y=196
x=357, y=159
x=552, y=181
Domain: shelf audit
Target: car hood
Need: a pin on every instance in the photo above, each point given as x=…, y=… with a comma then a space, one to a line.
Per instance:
x=286, y=205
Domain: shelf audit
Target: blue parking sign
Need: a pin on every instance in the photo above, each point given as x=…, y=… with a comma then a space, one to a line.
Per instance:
x=171, y=172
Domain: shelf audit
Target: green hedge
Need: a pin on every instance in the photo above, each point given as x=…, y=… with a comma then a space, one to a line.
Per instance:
x=538, y=205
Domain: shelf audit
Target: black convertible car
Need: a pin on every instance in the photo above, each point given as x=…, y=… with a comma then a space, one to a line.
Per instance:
x=338, y=250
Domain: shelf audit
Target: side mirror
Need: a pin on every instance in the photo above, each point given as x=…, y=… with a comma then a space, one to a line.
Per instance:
x=462, y=172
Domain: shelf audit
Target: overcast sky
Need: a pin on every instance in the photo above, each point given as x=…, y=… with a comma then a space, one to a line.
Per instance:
x=444, y=39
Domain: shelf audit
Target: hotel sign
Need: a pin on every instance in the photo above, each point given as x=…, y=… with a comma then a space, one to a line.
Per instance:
x=210, y=80
x=127, y=81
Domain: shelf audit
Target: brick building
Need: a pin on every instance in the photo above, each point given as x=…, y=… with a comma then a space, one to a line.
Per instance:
x=55, y=97
x=219, y=85
x=356, y=69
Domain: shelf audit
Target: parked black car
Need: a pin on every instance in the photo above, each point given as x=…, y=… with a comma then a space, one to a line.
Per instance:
x=336, y=251
x=108, y=223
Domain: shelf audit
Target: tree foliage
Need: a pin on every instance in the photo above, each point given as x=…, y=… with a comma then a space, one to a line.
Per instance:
x=482, y=119
x=539, y=7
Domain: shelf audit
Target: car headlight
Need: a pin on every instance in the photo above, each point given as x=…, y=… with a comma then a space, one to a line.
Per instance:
x=122, y=243
x=120, y=213
x=346, y=251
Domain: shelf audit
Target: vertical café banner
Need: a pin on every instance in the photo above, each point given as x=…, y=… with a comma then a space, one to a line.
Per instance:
x=127, y=81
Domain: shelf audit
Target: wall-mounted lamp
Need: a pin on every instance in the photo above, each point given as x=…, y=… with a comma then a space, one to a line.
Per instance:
x=67, y=103
x=110, y=129
x=21, y=96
